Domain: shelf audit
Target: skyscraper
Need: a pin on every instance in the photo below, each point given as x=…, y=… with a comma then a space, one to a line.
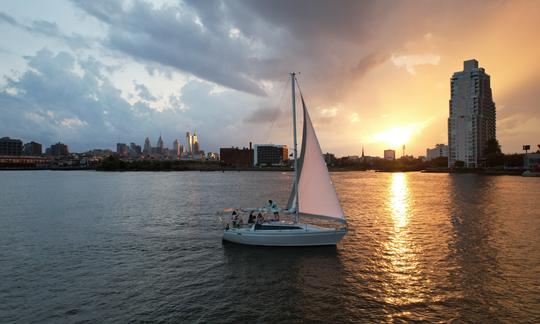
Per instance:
x=195, y=143
x=147, y=147
x=177, y=148
x=189, y=144
x=160, y=145
x=472, y=115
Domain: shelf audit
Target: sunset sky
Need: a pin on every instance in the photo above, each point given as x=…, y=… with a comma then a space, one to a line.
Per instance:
x=373, y=73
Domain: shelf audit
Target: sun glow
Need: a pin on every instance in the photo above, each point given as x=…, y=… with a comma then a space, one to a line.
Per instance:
x=395, y=136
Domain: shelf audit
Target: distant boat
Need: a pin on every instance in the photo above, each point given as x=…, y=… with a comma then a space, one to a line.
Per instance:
x=313, y=196
x=529, y=173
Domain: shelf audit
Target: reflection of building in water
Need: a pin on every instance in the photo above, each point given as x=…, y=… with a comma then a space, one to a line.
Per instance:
x=472, y=248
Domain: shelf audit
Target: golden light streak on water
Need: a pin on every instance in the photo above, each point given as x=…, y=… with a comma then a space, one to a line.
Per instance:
x=404, y=286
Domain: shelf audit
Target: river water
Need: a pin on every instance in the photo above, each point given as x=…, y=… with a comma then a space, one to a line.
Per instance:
x=121, y=247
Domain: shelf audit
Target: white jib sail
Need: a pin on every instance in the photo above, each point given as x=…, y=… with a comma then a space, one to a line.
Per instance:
x=317, y=193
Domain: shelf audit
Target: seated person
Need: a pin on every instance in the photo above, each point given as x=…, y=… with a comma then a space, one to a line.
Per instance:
x=251, y=218
x=234, y=218
x=260, y=219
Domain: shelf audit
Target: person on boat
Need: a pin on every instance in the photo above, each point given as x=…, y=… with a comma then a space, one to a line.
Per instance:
x=234, y=218
x=273, y=207
x=260, y=219
x=240, y=222
x=251, y=218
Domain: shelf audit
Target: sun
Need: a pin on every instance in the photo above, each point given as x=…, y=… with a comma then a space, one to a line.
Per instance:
x=396, y=136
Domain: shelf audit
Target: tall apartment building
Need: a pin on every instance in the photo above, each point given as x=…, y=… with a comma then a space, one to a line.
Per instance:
x=471, y=121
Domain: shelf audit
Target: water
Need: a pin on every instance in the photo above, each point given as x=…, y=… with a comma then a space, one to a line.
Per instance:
x=120, y=247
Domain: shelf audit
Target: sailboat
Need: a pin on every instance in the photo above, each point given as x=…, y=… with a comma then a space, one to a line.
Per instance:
x=313, y=197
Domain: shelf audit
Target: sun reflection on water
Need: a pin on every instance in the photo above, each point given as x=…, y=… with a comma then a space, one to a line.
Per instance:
x=402, y=255
x=399, y=200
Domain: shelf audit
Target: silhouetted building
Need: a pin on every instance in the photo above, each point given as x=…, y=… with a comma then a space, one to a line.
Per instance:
x=58, y=150
x=236, y=157
x=159, y=148
x=135, y=150
x=122, y=150
x=177, y=149
x=329, y=158
x=270, y=155
x=10, y=146
x=472, y=115
x=33, y=148
x=440, y=150
x=531, y=161
x=390, y=155
x=147, y=147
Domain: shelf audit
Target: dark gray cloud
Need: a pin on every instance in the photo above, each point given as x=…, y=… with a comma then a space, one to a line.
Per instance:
x=172, y=37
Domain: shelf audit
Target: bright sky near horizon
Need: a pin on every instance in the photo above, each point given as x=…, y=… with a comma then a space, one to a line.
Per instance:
x=373, y=73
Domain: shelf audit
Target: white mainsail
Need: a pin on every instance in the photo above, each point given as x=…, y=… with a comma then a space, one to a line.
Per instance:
x=318, y=197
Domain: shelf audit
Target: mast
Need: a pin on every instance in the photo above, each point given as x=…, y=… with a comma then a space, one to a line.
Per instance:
x=295, y=155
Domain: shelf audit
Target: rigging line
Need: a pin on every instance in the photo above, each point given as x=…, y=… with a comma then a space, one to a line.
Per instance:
x=299, y=89
x=278, y=111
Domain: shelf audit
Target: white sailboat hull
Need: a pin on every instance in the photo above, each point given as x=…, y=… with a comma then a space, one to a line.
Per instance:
x=306, y=235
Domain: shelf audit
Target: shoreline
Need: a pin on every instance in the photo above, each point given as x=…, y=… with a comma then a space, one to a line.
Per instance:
x=495, y=172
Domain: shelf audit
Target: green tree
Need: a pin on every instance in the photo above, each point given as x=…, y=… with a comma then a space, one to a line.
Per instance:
x=492, y=147
x=493, y=154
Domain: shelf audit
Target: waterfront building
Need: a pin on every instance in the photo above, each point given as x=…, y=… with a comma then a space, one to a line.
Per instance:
x=236, y=157
x=471, y=121
x=11, y=146
x=122, y=150
x=147, y=147
x=440, y=150
x=211, y=156
x=270, y=155
x=329, y=158
x=531, y=161
x=23, y=162
x=390, y=155
x=33, y=149
x=58, y=150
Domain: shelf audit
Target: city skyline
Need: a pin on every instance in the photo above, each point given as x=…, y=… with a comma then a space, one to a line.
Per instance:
x=80, y=72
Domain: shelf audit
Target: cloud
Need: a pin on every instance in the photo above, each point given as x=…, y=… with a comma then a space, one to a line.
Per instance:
x=174, y=36
x=143, y=92
x=264, y=115
x=63, y=97
x=50, y=29
x=410, y=62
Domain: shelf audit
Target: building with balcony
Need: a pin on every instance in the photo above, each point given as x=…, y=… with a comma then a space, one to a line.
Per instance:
x=471, y=121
